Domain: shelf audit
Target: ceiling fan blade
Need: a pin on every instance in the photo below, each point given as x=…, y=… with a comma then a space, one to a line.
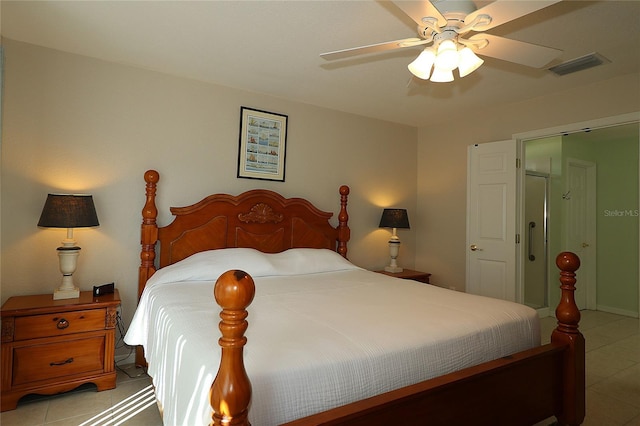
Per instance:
x=504, y=11
x=518, y=52
x=421, y=9
x=373, y=48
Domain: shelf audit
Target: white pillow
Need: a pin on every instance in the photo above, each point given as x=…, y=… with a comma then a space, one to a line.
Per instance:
x=209, y=265
x=299, y=261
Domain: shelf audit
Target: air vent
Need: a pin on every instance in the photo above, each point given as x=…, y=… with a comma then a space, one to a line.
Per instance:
x=582, y=63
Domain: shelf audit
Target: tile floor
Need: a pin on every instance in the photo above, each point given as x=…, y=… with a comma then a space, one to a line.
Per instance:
x=613, y=385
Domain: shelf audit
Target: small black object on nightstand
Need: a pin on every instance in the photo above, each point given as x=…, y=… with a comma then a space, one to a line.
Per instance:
x=99, y=290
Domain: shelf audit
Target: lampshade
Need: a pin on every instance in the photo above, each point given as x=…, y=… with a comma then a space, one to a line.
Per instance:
x=68, y=211
x=394, y=218
x=421, y=66
x=469, y=62
x=447, y=58
x=441, y=76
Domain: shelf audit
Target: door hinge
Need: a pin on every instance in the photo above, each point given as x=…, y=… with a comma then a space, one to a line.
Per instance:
x=517, y=238
x=517, y=163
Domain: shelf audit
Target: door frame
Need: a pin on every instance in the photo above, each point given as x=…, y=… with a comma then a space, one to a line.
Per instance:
x=520, y=138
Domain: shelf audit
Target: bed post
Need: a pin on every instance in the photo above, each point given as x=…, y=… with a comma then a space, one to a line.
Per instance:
x=230, y=393
x=344, y=233
x=148, y=238
x=148, y=231
x=567, y=333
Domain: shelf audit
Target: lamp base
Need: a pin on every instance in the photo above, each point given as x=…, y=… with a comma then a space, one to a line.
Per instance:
x=68, y=257
x=72, y=293
x=393, y=269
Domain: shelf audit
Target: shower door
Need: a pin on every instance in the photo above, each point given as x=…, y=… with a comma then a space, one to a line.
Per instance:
x=535, y=239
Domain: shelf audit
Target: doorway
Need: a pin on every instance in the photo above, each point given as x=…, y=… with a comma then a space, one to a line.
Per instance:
x=614, y=149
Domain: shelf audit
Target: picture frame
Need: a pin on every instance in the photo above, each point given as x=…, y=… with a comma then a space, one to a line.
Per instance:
x=263, y=145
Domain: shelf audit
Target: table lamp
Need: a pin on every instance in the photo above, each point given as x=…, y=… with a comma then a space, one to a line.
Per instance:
x=68, y=211
x=394, y=218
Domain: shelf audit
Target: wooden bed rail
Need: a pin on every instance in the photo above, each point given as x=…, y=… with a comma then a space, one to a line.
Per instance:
x=521, y=389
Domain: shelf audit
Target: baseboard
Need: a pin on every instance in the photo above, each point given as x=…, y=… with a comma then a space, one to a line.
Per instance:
x=544, y=312
x=617, y=311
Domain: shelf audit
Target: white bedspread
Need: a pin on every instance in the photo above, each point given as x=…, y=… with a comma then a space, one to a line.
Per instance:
x=315, y=340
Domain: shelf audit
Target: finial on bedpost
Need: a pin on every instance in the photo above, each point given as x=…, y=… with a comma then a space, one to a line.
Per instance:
x=344, y=233
x=567, y=334
x=230, y=393
x=567, y=312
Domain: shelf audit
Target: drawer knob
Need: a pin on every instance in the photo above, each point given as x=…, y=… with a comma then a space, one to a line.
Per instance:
x=62, y=324
x=66, y=361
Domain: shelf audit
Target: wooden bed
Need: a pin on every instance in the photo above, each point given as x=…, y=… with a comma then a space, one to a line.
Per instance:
x=520, y=389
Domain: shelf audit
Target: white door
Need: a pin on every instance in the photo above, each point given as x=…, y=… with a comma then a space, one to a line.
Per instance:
x=491, y=220
x=579, y=236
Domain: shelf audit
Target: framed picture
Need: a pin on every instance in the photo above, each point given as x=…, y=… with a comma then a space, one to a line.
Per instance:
x=263, y=144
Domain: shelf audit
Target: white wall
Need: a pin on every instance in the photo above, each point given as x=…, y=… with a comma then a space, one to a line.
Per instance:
x=75, y=124
x=442, y=159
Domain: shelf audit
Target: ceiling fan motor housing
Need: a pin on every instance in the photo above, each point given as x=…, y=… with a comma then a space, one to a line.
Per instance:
x=448, y=33
x=454, y=7
x=454, y=12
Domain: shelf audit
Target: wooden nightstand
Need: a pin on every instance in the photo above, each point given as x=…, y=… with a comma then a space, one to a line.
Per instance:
x=409, y=274
x=51, y=346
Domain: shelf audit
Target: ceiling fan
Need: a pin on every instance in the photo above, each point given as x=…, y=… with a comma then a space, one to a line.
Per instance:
x=445, y=26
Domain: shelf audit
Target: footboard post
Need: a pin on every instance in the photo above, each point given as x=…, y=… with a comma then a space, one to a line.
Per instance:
x=230, y=393
x=567, y=333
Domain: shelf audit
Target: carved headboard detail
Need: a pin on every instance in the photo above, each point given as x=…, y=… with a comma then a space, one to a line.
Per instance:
x=261, y=213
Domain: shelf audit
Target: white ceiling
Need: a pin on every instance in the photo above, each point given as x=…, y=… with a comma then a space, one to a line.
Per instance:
x=273, y=47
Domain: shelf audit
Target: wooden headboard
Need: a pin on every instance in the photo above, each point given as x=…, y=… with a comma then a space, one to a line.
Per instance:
x=259, y=219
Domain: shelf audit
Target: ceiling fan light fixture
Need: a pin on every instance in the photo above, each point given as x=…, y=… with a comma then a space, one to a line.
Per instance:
x=469, y=62
x=421, y=66
x=447, y=57
x=441, y=75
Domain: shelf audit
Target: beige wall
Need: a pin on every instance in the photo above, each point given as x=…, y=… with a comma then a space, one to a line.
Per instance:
x=75, y=124
x=442, y=160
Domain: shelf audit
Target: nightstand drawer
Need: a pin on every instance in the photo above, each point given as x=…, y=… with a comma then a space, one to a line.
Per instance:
x=36, y=326
x=52, y=360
